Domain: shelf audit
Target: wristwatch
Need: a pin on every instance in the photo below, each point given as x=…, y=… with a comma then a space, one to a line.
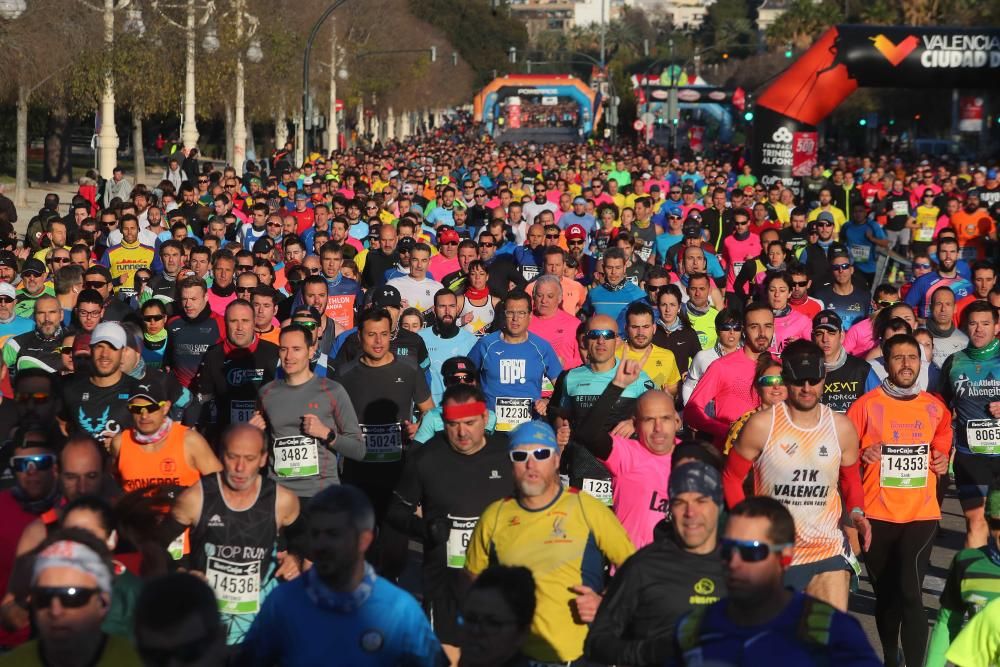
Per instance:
x=330, y=438
x=858, y=510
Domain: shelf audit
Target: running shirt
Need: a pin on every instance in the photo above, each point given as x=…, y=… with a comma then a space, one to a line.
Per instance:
x=973, y=582
x=439, y=350
x=512, y=375
x=919, y=295
x=979, y=642
x=970, y=381
x=704, y=326
x=791, y=326
x=602, y=300
x=851, y=307
x=229, y=380
x=482, y=316
x=101, y=412
x=29, y=350
x=138, y=468
x=123, y=260
x=660, y=366
x=842, y=386
x=234, y=549
x=188, y=340
x=303, y=465
x=417, y=294
x=564, y=545
x=560, y=331
x=800, y=468
x=638, y=487
x=900, y=487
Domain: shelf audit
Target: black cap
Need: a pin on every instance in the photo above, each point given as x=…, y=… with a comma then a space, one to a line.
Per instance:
x=457, y=365
x=406, y=243
x=387, y=296
x=154, y=392
x=829, y=320
x=805, y=366
x=308, y=311
x=263, y=244
x=33, y=265
x=691, y=229
x=8, y=259
x=687, y=189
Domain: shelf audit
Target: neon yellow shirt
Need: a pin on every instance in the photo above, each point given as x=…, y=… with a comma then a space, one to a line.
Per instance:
x=978, y=644
x=661, y=366
x=563, y=545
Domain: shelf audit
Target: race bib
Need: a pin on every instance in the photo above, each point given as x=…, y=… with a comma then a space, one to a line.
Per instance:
x=240, y=412
x=598, y=488
x=983, y=436
x=645, y=251
x=737, y=267
x=900, y=208
x=176, y=547
x=511, y=412
x=904, y=466
x=458, y=539
x=861, y=253
x=296, y=456
x=529, y=272
x=236, y=585
x=924, y=234
x=383, y=442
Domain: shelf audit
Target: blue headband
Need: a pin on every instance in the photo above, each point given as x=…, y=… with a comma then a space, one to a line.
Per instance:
x=534, y=433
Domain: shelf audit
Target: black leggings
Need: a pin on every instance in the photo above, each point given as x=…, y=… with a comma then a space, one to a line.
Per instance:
x=897, y=562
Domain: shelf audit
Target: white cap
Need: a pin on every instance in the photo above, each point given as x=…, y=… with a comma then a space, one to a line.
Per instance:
x=6, y=289
x=111, y=333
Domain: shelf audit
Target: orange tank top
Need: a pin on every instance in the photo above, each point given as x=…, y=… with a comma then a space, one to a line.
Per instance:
x=139, y=469
x=800, y=467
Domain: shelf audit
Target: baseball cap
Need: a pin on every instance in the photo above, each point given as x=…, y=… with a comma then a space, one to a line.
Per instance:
x=654, y=188
x=264, y=244
x=575, y=232
x=408, y=189
x=579, y=200
x=811, y=228
x=448, y=236
x=687, y=189
x=457, y=365
x=7, y=290
x=406, y=243
x=33, y=266
x=111, y=333
x=803, y=366
x=301, y=195
x=533, y=433
x=8, y=259
x=826, y=216
x=153, y=392
x=387, y=296
x=827, y=320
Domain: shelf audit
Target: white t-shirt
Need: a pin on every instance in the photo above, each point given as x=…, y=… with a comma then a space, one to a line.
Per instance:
x=417, y=294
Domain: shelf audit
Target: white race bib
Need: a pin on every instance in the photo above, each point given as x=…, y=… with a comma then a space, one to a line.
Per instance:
x=458, y=539
x=529, y=272
x=176, y=547
x=983, y=436
x=383, y=442
x=924, y=234
x=900, y=208
x=512, y=412
x=861, y=253
x=296, y=456
x=737, y=267
x=904, y=466
x=236, y=585
x=240, y=412
x=598, y=488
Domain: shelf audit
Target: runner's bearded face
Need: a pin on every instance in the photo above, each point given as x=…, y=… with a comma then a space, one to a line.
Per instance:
x=903, y=365
x=758, y=330
x=533, y=477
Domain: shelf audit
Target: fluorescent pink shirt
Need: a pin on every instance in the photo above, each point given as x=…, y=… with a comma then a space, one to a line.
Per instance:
x=737, y=252
x=639, y=487
x=791, y=327
x=860, y=338
x=560, y=331
x=729, y=382
x=440, y=266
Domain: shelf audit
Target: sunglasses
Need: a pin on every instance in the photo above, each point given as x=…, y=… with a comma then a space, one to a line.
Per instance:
x=144, y=408
x=153, y=318
x=575, y=242
x=770, y=381
x=488, y=245
x=31, y=274
x=840, y=267
x=824, y=224
x=600, y=334
x=244, y=290
x=459, y=378
x=58, y=260
x=65, y=349
x=203, y=180
x=450, y=243
x=70, y=597
x=552, y=236
x=800, y=283
x=521, y=455
x=244, y=267
x=274, y=224
x=922, y=265
x=751, y=551
x=95, y=284
x=38, y=462
x=730, y=326
x=308, y=325
x=36, y=397
x=6, y=299
x=801, y=382
x=887, y=304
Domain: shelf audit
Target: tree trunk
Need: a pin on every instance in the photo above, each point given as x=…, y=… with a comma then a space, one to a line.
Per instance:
x=21, y=158
x=229, y=133
x=251, y=147
x=57, y=167
x=139, y=150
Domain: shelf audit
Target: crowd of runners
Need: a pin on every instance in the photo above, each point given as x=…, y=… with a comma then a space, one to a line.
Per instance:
x=448, y=402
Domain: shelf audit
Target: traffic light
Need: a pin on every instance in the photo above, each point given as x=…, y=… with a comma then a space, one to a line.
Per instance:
x=862, y=122
x=788, y=50
x=892, y=121
x=748, y=115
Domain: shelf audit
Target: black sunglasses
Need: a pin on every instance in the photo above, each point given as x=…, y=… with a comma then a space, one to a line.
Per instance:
x=70, y=597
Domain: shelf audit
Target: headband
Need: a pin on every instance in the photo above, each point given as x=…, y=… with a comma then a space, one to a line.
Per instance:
x=453, y=412
x=77, y=556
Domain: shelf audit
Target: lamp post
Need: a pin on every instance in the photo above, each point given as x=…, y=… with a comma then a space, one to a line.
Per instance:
x=189, y=125
x=306, y=101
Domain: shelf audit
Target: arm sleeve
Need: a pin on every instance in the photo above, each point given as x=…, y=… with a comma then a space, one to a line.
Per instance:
x=850, y=486
x=349, y=441
x=592, y=432
x=733, y=476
